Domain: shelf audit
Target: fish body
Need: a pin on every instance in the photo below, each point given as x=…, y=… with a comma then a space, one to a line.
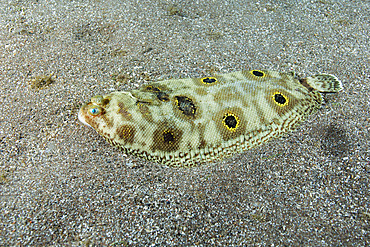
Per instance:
x=187, y=122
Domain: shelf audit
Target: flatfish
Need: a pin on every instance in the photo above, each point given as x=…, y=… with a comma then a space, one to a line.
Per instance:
x=187, y=122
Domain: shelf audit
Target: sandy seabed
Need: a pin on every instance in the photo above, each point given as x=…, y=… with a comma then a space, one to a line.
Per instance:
x=62, y=184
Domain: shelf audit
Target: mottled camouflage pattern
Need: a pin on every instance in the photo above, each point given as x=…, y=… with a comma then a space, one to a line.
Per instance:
x=186, y=122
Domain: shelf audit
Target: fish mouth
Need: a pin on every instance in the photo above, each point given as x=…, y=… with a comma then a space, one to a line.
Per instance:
x=81, y=115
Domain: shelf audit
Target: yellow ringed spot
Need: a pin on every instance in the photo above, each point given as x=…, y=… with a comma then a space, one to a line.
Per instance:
x=231, y=121
x=280, y=99
x=208, y=80
x=258, y=73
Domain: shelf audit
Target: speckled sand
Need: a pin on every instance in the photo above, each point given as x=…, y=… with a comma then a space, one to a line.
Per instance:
x=61, y=184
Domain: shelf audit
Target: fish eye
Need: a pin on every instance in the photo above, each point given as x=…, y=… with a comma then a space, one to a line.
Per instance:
x=100, y=100
x=95, y=110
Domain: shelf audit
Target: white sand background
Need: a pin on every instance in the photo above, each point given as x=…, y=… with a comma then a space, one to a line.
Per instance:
x=62, y=184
